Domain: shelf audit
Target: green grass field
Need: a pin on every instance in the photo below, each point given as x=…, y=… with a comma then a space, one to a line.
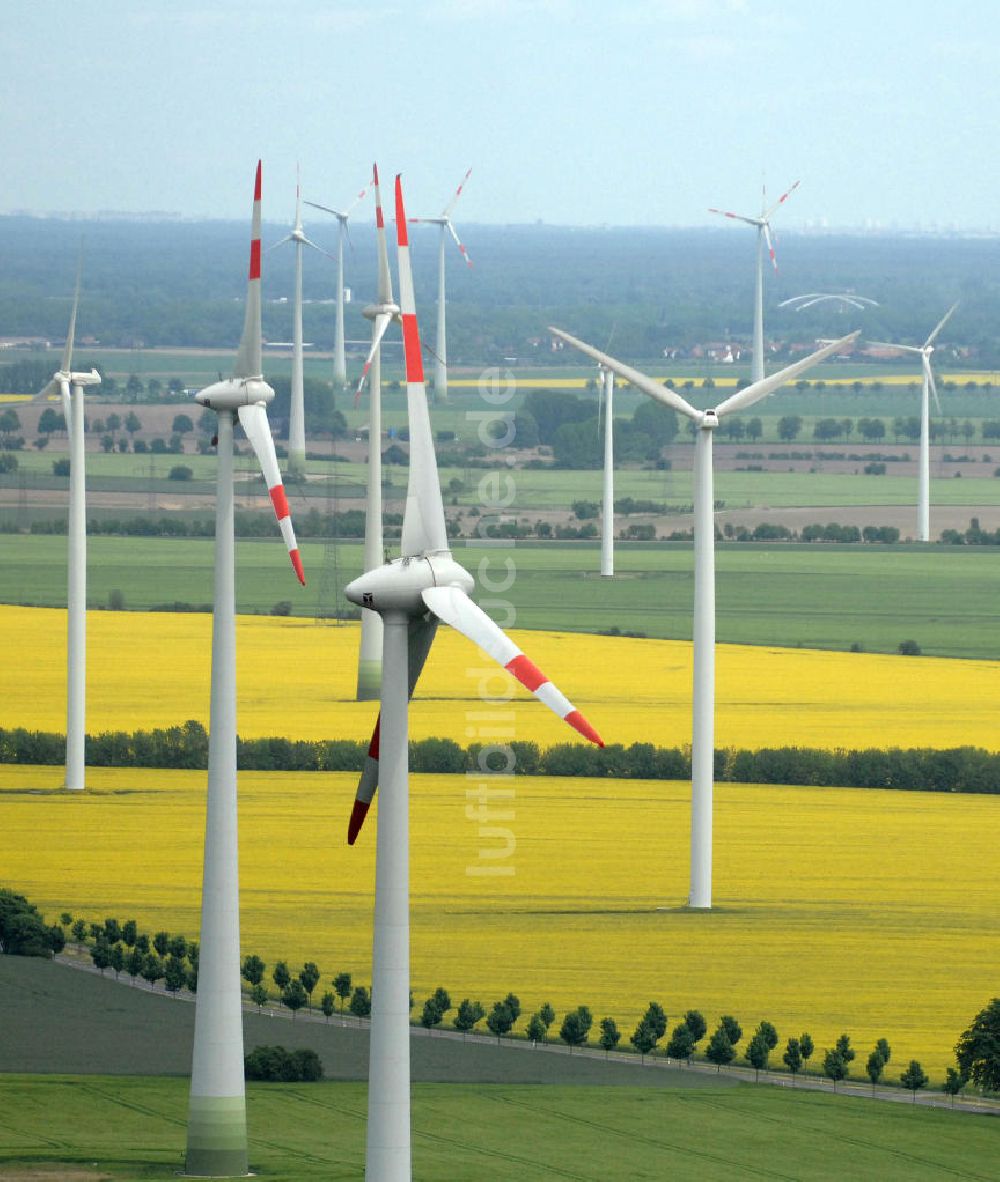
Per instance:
x=135, y=1129
x=813, y=596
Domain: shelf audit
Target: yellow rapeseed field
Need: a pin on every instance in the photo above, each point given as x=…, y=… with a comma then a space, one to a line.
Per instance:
x=869, y=912
x=722, y=383
x=296, y=678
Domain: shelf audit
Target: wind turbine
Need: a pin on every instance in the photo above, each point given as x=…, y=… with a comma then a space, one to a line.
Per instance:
x=381, y=314
x=800, y=302
x=339, y=361
x=445, y=222
x=71, y=388
x=703, y=703
x=763, y=224
x=929, y=387
x=296, y=414
x=412, y=594
x=217, y=1130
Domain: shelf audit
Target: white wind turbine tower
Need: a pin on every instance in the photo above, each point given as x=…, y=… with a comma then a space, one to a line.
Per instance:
x=412, y=594
x=444, y=221
x=339, y=360
x=763, y=224
x=929, y=387
x=703, y=701
x=296, y=413
x=381, y=314
x=217, y=1131
x=607, y=379
x=70, y=387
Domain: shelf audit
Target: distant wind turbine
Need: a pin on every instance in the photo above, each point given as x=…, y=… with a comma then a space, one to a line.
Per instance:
x=296, y=413
x=799, y=303
x=217, y=1125
x=70, y=387
x=441, y=345
x=607, y=379
x=703, y=704
x=764, y=238
x=929, y=387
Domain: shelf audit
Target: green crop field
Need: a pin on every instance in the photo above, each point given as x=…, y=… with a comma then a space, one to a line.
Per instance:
x=814, y=596
x=135, y=1129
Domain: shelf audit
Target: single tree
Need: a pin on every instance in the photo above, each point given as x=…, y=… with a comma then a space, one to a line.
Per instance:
x=576, y=1027
x=883, y=1048
x=954, y=1081
x=793, y=1058
x=978, y=1049
x=756, y=1053
x=112, y=931
x=117, y=960
x=806, y=1047
x=161, y=943
x=113, y=423
x=468, y=1014
x=610, y=1035
x=547, y=1014
x=681, y=1044
x=695, y=1022
x=174, y=974
x=431, y=1014
x=182, y=425
x=720, y=1048
x=875, y=1066
x=79, y=931
x=258, y=995
x=152, y=968
x=361, y=1003
x=342, y=987
x=132, y=423
x=536, y=1029
x=834, y=1067
x=643, y=1038
x=280, y=975
x=768, y=1034
x=914, y=1078
x=844, y=1048
x=499, y=1020
x=309, y=976
x=100, y=954
x=133, y=964
x=130, y=931
x=511, y=1001
x=293, y=996
x=734, y=1032
x=656, y=1018
x=327, y=1003
x=142, y=943
x=253, y=969
x=442, y=999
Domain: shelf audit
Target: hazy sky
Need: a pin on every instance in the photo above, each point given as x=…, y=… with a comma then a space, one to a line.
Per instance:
x=569, y=111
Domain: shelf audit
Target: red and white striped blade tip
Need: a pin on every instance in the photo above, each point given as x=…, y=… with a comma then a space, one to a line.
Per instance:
x=358, y=814
x=579, y=723
x=297, y=566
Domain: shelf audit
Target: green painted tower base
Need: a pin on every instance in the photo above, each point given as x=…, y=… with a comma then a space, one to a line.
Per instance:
x=369, y=680
x=217, y=1137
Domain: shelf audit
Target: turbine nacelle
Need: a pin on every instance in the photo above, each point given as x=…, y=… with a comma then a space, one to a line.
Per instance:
x=91, y=378
x=232, y=393
x=398, y=586
x=709, y=420
x=373, y=311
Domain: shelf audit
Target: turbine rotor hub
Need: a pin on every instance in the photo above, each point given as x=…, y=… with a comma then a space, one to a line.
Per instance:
x=371, y=311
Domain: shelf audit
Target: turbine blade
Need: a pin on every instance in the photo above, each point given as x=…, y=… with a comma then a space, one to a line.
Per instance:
x=739, y=217
x=419, y=637
x=770, y=245
x=423, y=520
x=452, y=605
x=51, y=387
x=248, y=362
x=254, y=421
x=384, y=274
x=458, y=243
x=781, y=201
x=941, y=323
x=647, y=385
x=67, y=357
x=750, y=394
x=326, y=209
x=360, y=197
x=893, y=345
x=67, y=408
x=931, y=382
x=309, y=242
x=381, y=323
x=446, y=212
x=280, y=242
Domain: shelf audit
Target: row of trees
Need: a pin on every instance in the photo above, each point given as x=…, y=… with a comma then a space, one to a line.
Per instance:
x=956, y=769
x=123, y=947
